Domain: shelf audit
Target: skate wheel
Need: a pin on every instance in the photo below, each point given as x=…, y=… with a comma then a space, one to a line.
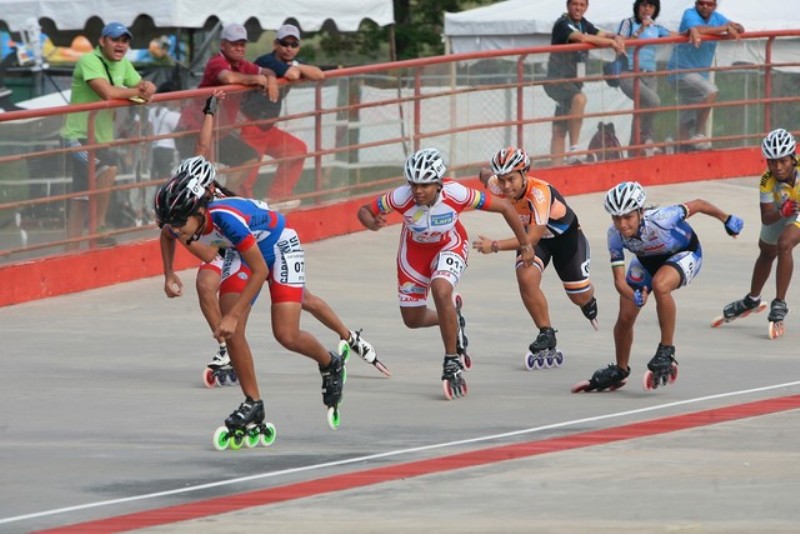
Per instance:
x=549, y=361
x=343, y=349
x=222, y=378
x=252, y=438
x=463, y=388
x=581, y=386
x=466, y=361
x=221, y=438
x=459, y=302
x=776, y=329
x=719, y=321
x=237, y=440
x=208, y=378
x=268, y=435
x=673, y=375
x=382, y=368
x=334, y=417
x=530, y=361
x=558, y=358
x=649, y=381
x=448, y=390
x=617, y=386
x=233, y=378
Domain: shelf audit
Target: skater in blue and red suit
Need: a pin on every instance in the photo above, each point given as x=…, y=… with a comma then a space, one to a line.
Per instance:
x=667, y=256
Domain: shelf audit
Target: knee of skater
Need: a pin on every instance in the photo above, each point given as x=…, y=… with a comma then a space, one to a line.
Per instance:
x=288, y=340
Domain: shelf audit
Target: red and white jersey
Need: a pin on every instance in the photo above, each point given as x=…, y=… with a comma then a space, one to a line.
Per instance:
x=432, y=225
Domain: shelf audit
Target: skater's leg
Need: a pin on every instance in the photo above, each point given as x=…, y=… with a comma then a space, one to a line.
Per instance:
x=762, y=268
x=207, y=284
x=529, y=280
x=286, y=329
x=323, y=313
x=665, y=281
x=789, y=238
x=442, y=291
x=239, y=349
x=623, y=331
x=419, y=316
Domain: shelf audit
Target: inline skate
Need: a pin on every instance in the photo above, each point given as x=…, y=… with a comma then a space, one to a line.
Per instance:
x=662, y=369
x=462, y=342
x=590, y=312
x=333, y=379
x=777, y=313
x=542, y=353
x=364, y=348
x=245, y=426
x=453, y=383
x=219, y=371
x=739, y=309
x=611, y=378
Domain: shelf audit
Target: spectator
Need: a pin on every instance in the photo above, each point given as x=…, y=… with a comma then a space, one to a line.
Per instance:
x=696, y=87
x=643, y=26
x=570, y=68
x=227, y=68
x=268, y=138
x=103, y=74
x=163, y=121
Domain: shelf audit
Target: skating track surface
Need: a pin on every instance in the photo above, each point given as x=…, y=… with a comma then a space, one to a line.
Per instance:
x=106, y=426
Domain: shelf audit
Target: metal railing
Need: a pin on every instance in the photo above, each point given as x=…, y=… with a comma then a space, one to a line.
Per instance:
x=360, y=123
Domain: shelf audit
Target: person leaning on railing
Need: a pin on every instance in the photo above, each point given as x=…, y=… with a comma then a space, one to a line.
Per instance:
x=696, y=87
x=570, y=67
x=103, y=74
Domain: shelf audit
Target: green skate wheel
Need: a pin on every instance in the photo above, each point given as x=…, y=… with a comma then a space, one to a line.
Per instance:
x=221, y=439
x=343, y=349
x=252, y=438
x=237, y=440
x=334, y=418
x=268, y=438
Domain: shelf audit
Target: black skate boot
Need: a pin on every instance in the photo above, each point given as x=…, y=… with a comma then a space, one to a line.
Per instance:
x=453, y=382
x=610, y=378
x=590, y=312
x=542, y=353
x=461, y=341
x=333, y=378
x=662, y=369
x=245, y=426
x=777, y=313
x=219, y=371
x=364, y=348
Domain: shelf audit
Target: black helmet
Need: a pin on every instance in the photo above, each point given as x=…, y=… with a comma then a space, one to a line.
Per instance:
x=179, y=199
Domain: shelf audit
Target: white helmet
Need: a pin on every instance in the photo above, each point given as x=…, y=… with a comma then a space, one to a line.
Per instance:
x=778, y=144
x=625, y=198
x=199, y=168
x=511, y=159
x=425, y=166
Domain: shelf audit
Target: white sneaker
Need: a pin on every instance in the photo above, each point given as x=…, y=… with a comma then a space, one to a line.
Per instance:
x=650, y=150
x=572, y=158
x=701, y=142
x=285, y=205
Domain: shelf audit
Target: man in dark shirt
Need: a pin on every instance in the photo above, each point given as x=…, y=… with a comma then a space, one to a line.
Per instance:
x=570, y=68
x=266, y=137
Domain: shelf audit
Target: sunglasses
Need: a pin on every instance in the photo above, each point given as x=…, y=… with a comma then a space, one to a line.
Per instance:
x=289, y=44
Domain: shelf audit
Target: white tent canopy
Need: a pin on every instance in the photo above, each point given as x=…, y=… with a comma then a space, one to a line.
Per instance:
x=523, y=23
x=310, y=14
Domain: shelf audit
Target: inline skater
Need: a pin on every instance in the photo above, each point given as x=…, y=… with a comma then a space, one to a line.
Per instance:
x=555, y=234
x=433, y=251
x=779, y=194
x=667, y=256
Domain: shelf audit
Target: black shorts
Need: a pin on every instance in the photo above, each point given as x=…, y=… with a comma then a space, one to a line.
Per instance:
x=570, y=254
x=103, y=158
x=562, y=93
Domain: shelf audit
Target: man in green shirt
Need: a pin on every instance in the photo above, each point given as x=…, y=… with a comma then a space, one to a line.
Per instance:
x=103, y=74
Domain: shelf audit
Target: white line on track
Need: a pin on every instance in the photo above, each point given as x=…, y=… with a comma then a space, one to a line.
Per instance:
x=399, y=452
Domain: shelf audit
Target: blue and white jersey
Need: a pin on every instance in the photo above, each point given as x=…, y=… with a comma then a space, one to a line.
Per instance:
x=240, y=223
x=662, y=233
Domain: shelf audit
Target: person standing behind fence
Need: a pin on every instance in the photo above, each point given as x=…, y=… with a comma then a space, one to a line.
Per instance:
x=103, y=74
x=696, y=87
x=570, y=68
x=268, y=138
x=642, y=25
x=227, y=68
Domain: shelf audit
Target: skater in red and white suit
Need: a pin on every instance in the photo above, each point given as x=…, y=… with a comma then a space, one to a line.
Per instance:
x=433, y=244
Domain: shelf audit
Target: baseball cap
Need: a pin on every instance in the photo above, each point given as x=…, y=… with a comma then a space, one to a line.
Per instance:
x=115, y=30
x=288, y=30
x=233, y=33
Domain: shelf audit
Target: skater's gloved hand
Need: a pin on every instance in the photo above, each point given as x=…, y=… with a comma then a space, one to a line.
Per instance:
x=212, y=104
x=640, y=297
x=734, y=225
x=788, y=208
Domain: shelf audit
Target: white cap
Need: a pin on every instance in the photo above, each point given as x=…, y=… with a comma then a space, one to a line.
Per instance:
x=233, y=33
x=288, y=30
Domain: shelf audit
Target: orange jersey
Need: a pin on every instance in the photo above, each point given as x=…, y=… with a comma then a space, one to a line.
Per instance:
x=540, y=205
